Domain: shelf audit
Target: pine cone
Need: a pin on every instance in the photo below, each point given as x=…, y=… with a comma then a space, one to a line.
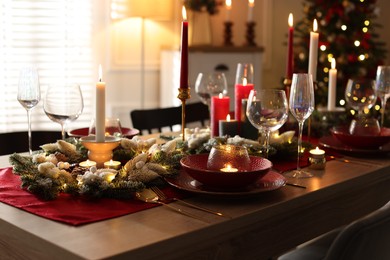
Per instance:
x=78, y=171
x=61, y=157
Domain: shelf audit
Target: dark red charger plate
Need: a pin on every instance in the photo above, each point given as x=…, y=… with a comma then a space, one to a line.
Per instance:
x=333, y=143
x=80, y=132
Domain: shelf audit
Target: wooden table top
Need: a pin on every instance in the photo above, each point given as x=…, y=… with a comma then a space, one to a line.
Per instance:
x=261, y=226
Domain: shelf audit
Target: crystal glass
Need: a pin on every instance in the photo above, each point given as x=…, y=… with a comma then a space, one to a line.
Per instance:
x=112, y=127
x=301, y=105
x=63, y=104
x=360, y=94
x=210, y=84
x=383, y=87
x=267, y=110
x=29, y=94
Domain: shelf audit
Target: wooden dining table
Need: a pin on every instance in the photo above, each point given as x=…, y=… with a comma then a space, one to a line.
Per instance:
x=261, y=226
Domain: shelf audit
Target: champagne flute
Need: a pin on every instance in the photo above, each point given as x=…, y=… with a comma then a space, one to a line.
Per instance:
x=383, y=87
x=63, y=104
x=267, y=110
x=29, y=95
x=301, y=106
x=210, y=84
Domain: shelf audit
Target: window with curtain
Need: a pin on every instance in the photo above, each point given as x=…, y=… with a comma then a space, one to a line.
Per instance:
x=56, y=37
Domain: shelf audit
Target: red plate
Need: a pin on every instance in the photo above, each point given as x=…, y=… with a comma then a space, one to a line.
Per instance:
x=269, y=182
x=361, y=141
x=80, y=132
x=196, y=166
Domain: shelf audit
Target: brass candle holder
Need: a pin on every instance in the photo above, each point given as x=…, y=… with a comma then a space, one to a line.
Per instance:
x=184, y=94
x=100, y=152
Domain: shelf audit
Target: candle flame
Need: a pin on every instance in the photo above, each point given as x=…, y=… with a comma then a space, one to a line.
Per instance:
x=290, y=20
x=251, y=3
x=220, y=95
x=228, y=117
x=244, y=81
x=100, y=72
x=184, y=13
x=333, y=64
x=228, y=4
x=315, y=25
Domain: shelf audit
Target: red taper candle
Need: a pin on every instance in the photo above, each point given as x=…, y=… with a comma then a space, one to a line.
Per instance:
x=184, y=51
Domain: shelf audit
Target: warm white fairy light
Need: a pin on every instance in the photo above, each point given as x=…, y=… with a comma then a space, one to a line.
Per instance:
x=365, y=29
x=343, y=27
x=323, y=47
x=362, y=57
x=357, y=43
x=366, y=22
x=342, y=102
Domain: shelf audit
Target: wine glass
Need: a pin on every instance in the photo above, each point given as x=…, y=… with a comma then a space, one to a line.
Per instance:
x=210, y=84
x=360, y=94
x=112, y=127
x=267, y=110
x=63, y=104
x=383, y=87
x=29, y=94
x=301, y=106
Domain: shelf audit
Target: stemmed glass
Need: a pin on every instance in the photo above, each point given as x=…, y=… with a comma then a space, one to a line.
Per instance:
x=267, y=110
x=112, y=127
x=63, y=104
x=301, y=105
x=360, y=94
x=383, y=87
x=210, y=84
x=29, y=94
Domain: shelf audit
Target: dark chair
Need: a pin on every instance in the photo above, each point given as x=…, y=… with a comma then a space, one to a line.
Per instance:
x=158, y=118
x=18, y=141
x=366, y=238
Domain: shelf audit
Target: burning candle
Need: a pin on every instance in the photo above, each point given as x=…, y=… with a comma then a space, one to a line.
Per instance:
x=332, y=86
x=112, y=165
x=317, y=153
x=219, y=109
x=228, y=127
x=184, y=51
x=313, y=51
x=290, y=55
x=87, y=164
x=100, y=115
x=241, y=92
x=228, y=4
x=251, y=4
x=229, y=168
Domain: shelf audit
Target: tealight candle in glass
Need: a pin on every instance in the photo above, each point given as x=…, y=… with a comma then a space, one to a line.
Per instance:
x=317, y=159
x=112, y=165
x=87, y=164
x=228, y=158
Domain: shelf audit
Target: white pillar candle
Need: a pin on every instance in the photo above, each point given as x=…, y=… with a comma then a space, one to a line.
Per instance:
x=313, y=51
x=332, y=86
x=100, y=115
x=251, y=4
x=228, y=4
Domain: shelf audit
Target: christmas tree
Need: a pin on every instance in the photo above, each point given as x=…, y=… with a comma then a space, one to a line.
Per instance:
x=347, y=33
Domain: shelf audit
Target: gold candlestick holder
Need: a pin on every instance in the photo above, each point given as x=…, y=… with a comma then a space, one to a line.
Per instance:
x=100, y=152
x=184, y=94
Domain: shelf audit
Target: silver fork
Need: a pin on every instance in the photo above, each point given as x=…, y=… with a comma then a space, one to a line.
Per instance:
x=163, y=197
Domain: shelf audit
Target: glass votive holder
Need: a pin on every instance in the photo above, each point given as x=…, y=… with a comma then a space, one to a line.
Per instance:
x=228, y=158
x=317, y=159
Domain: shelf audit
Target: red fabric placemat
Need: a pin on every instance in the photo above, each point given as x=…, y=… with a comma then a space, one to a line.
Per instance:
x=66, y=209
